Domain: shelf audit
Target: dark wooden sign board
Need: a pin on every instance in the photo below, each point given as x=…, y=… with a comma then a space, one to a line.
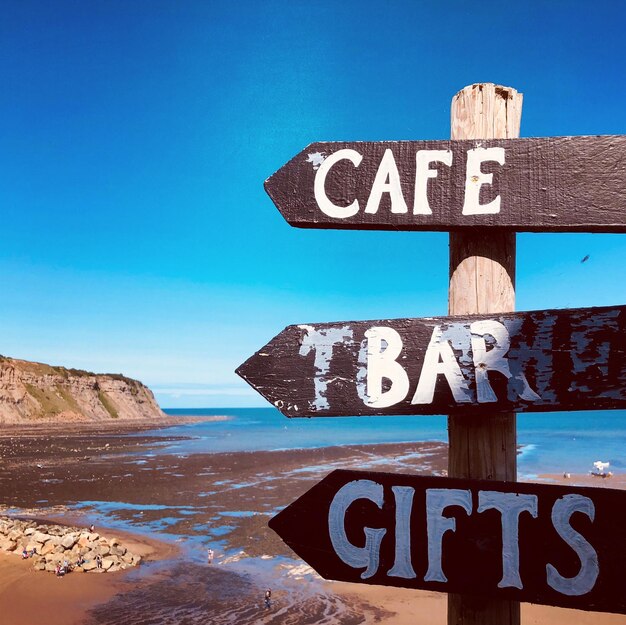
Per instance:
x=555, y=184
x=524, y=542
x=482, y=190
x=532, y=361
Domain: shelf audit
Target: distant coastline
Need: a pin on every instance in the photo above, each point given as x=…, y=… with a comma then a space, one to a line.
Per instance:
x=33, y=392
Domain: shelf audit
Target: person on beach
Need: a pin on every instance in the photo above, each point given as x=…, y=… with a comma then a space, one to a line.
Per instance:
x=210, y=556
x=99, y=561
x=268, y=598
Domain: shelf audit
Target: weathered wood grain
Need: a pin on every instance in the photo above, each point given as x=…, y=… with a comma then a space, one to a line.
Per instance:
x=472, y=558
x=482, y=281
x=554, y=184
x=557, y=359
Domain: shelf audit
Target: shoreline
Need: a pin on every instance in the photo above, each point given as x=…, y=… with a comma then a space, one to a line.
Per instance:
x=192, y=501
x=119, y=426
x=220, y=500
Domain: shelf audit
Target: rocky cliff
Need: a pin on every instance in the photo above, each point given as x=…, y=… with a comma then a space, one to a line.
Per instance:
x=32, y=392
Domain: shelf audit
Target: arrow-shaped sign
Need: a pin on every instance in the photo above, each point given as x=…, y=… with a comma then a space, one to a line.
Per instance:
x=525, y=542
x=534, y=361
x=558, y=184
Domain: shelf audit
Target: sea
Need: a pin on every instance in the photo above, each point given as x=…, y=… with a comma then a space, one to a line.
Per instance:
x=550, y=442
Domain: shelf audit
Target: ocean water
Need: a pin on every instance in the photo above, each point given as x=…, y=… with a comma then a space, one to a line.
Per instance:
x=552, y=442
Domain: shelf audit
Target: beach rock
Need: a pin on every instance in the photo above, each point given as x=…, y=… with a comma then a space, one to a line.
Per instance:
x=55, y=545
x=21, y=543
x=6, y=544
x=54, y=558
x=48, y=548
x=107, y=563
x=53, y=540
x=39, y=564
x=39, y=537
x=69, y=541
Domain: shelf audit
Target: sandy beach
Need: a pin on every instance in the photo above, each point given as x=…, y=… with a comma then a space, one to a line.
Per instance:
x=173, y=506
x=26, y=595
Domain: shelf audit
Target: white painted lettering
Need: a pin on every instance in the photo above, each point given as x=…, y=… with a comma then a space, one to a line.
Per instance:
x=585, y=580
x=319, y=185
x=322, y=343
x=510, y=506
x=387, y=181
x=440, y=360
x=423, y=159
x=368, y=556
x=402, y=566
x=475, y=179
x=437, y=500
x=383, y=347
x=493, y=359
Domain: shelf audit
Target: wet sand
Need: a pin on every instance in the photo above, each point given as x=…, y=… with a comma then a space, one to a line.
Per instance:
x=617, y=481
x=222, y=500
x=28, y=597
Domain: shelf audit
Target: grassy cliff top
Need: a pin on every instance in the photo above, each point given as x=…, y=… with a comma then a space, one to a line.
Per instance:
x=39, y=368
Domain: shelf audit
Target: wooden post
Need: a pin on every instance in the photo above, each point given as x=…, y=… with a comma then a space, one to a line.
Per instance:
x=482, y=280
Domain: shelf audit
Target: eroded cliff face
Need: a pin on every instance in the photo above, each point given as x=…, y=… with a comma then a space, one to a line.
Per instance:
x=32, y=392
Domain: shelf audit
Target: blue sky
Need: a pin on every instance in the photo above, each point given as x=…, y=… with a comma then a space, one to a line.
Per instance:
x=135, y=137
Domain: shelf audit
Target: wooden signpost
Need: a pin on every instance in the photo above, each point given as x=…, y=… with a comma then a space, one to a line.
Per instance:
x=489, y=544
x=525, y=542
x=535, y=361
x=556, y=184
x=482, y=281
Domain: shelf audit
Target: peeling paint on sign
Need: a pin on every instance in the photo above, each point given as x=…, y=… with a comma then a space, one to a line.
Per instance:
x=536, y=361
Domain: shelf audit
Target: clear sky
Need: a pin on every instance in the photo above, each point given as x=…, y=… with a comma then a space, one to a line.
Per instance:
x=135, y=137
